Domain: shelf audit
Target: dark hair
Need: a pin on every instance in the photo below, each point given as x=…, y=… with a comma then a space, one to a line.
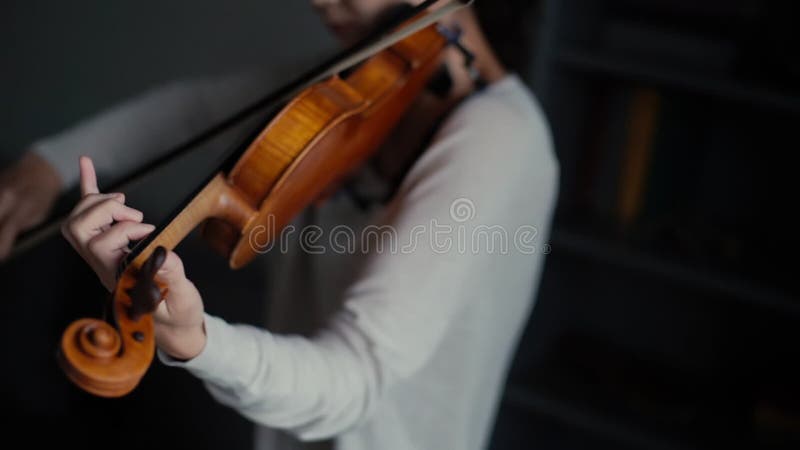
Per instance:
x=508, y=25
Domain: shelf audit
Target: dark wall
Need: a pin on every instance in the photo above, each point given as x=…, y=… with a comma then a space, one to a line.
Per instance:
x=62, y=61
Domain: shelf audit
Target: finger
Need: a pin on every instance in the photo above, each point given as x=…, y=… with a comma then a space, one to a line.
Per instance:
x=8, y=232
x=27, y=215
x=99, y=217
x=16, y=221
x=7, y=200
x=23, y=217
x=162, y=313
x=171, y=272
x=108, y=247
x=88, y=176
x=93, y=199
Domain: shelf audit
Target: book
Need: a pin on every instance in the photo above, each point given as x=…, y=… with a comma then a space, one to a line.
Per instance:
x=642, y=122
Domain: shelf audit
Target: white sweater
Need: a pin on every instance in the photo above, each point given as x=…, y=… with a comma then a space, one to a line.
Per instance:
x=405, y=346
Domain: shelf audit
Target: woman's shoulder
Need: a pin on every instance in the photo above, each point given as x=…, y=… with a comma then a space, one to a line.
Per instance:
x=502, y=128
x=495, y=144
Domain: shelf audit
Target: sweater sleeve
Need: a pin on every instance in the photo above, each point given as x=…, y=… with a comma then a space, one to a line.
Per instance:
x=478, y=173
x=141, y=129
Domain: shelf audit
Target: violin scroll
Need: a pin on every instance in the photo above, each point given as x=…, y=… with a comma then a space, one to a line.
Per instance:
x=110, y=361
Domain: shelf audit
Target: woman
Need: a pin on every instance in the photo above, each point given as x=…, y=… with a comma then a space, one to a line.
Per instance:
x=398, y=347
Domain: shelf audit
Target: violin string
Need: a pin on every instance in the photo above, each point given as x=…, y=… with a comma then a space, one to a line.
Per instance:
x=393, y=38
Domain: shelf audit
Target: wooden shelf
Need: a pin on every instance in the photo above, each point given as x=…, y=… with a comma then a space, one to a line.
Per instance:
x=728, y=89
x=621, y=255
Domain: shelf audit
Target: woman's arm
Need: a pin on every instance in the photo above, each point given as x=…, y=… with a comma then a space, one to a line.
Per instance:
x=398, y=310
x=143, y=128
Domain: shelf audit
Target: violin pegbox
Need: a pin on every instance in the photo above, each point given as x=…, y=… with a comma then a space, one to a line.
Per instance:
x=147, y=293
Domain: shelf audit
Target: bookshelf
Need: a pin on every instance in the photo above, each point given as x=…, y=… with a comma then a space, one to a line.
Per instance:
x=616, y=429
x=627, y=257
x=597, y=64
x=674, y=126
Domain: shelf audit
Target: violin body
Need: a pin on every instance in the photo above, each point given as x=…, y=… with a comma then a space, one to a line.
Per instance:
x=318, y=138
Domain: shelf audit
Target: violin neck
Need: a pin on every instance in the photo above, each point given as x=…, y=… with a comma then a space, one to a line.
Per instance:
x=218, y=200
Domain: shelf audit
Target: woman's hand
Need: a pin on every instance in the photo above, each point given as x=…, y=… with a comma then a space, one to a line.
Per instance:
x=100, y=226
x=28, y=190
x=100, y=229
x=179, y=318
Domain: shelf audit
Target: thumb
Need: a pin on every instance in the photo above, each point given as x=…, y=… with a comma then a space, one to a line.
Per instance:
x=8, y=232
x=182, y=301
x=171, y=272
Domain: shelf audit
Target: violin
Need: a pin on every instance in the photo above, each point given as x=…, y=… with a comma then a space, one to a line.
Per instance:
x=325, y=131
